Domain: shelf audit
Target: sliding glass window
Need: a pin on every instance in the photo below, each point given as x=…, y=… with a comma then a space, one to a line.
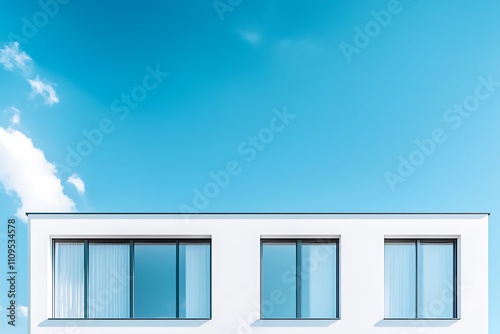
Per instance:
x=420, y=279
x=123, y=279
x=299, y=279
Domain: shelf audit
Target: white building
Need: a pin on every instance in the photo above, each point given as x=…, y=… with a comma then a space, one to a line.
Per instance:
x=258, y=273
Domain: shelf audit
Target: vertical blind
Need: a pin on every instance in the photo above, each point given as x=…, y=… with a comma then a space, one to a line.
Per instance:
x=400, y=279
x=194, y=280
x=436, y=271
x=420, y=279
x=109, y=280
x=68, y=280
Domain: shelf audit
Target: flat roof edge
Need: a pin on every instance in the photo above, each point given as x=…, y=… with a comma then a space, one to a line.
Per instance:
x=258, y=213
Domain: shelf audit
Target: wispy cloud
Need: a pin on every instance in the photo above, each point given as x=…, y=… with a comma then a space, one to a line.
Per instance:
x=45, y=89
x=14, y=114
x=76, y=181
x=26, y=173
x=23, y=311
x=11, y=57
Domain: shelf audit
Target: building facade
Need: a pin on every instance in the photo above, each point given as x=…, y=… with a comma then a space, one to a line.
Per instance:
x=258, y=273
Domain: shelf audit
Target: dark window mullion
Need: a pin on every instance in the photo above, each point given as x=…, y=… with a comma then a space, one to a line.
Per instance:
x=210, y=279
x=261, y=274
x=417, y=243
x=455, y=280
x=53, y=278
x=85, y=278
x=337, y=270
x=177, y=279
x=131, y=278
x=298, y=311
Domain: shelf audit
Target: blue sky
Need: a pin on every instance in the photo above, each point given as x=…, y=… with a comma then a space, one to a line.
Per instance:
x=372, y=106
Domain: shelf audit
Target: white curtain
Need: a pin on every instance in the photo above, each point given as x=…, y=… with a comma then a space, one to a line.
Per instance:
x=68, y=280
x=435, y=280
x=400, y=279
x=319, y=280
x=194, y=280
x=109, y=280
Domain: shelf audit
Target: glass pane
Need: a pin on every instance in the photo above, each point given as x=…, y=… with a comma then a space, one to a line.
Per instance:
x=279, y=283
x=68, y=280
x=109, y=280
x=435, y=280
x=155, y=282
x=400, y=279
x=319, y=280
x=194, y=280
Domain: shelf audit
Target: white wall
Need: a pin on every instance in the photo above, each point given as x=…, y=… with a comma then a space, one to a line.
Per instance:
x=236, y=269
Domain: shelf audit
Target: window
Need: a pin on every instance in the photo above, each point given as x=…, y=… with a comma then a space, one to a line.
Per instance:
x=420, y=279
x=123, y=279
x=299, y=279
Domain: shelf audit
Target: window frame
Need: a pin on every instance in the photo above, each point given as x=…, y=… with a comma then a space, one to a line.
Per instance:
x=298, y=259
x=417, y=241
x=131, y=242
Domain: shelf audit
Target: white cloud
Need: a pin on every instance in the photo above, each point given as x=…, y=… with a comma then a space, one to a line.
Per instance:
x=11, y=56
x=25, y=172
x=45, y=89
x=77, y=182
x=23, y=311
x=15, y=119
x=15, y=114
